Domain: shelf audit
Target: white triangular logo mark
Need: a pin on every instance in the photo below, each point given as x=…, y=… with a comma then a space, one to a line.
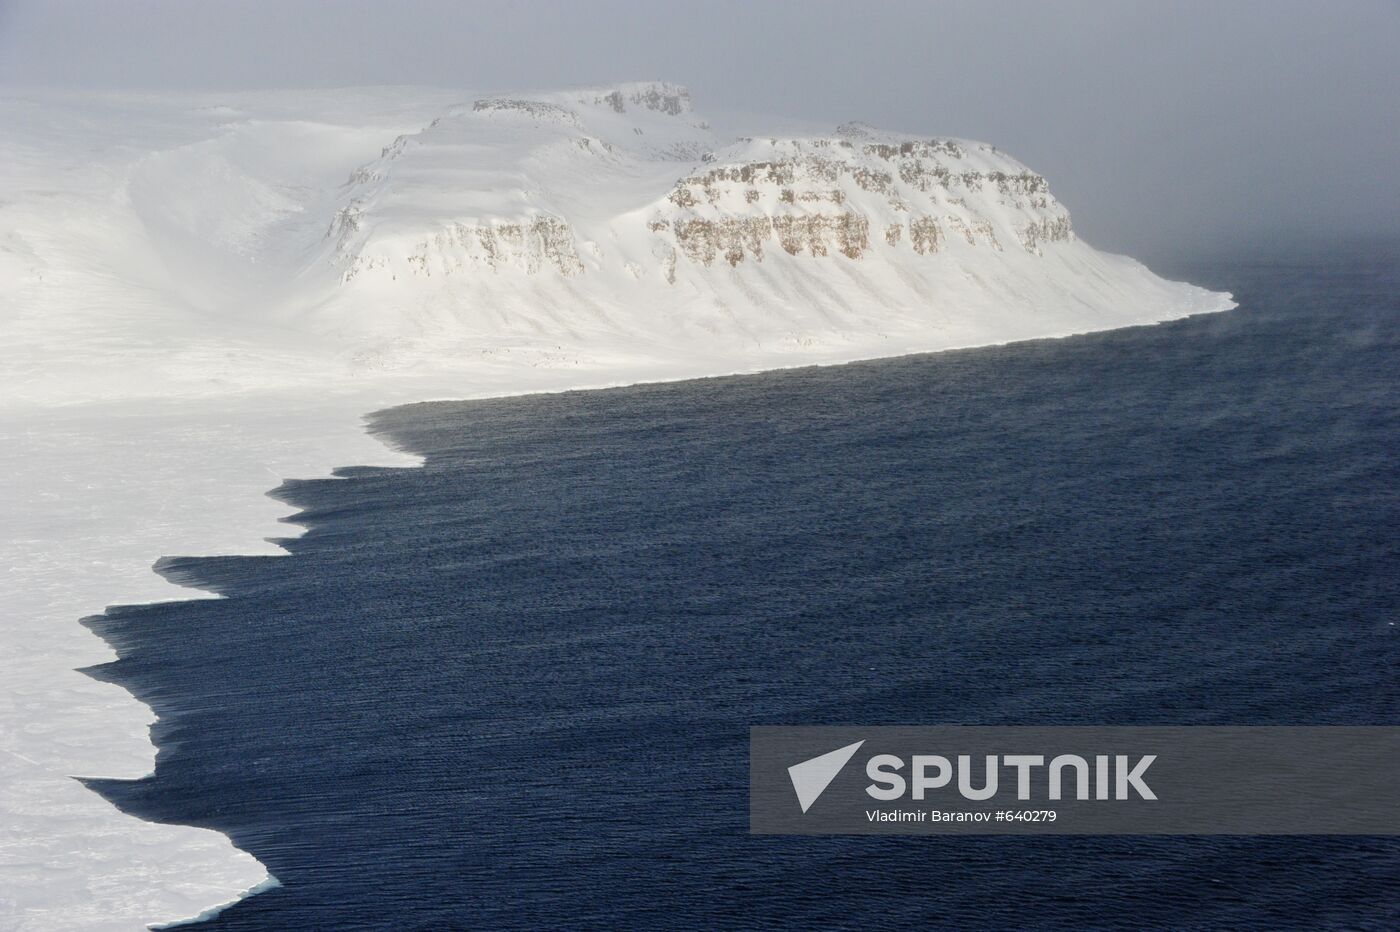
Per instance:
x=811, y=777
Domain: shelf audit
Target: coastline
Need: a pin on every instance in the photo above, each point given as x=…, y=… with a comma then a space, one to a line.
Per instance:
x=147, y=478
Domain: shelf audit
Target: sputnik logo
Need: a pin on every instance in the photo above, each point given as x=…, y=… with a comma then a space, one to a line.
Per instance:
x=811, y=777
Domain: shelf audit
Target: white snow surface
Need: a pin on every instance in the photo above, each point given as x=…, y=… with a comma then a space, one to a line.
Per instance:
x=202, y=295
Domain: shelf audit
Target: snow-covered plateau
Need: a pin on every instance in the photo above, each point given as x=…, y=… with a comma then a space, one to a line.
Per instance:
x=200, y=296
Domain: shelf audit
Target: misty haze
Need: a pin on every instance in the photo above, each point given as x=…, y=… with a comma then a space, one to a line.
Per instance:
x=441, y=439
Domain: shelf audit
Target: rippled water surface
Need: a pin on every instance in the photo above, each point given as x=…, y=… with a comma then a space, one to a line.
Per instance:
x=513, y=688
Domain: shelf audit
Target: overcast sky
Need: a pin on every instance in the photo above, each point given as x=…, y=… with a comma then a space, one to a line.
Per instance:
x=1166, y=128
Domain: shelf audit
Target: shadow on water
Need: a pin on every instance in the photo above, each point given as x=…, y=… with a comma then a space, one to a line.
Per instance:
x=512, y=688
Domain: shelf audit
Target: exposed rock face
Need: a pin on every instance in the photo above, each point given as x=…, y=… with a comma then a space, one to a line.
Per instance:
x=664, y=98
x=735, y=238
x=1046, y=231
x=784, y=190
x=759, y=200
x=545, y=242
x=537, y=109
x=925, y=235
x=344, y=227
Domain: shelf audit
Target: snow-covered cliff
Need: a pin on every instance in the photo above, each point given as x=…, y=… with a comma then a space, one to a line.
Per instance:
x=518, y=214
x=520, y=183
x=254, y=241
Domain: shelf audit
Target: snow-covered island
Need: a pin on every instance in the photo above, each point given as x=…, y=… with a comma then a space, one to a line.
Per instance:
x=201, y=296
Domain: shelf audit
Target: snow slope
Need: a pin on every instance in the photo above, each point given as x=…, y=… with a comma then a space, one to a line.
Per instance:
x=200, y=296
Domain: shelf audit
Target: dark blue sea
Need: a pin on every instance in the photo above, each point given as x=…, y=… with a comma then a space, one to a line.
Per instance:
x=512, y=689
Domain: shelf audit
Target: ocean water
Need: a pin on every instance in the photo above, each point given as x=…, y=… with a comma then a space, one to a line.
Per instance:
x=512, y=689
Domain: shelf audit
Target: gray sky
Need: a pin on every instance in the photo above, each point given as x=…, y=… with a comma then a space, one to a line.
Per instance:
x=1167, y=128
